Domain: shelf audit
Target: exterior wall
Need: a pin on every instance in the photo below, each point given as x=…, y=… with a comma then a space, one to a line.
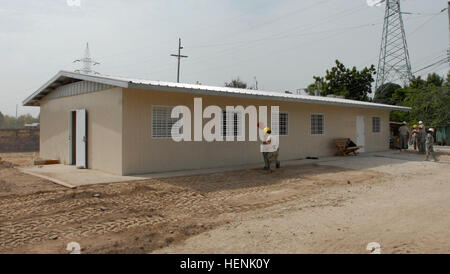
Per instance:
x=144, y=154
x=17, y=140
x=104, y=128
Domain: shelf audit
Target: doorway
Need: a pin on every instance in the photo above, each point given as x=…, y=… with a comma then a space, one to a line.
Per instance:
x=78, y=138
x=360, y=133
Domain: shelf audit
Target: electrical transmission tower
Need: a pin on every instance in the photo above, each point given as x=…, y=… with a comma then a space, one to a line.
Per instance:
x=393, y=63
x=87, y=62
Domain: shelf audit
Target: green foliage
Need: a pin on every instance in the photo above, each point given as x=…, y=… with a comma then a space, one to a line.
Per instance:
x=2, y=119
x=435, y=79
x=399, y=96
x=236, y=83
x=311, y=88
x=429, y=101
x=430, y=104
x=287, y=91
x=417, y=82
x=447, y=81
x=383, y=94
x=351, y=83
x=7, y=121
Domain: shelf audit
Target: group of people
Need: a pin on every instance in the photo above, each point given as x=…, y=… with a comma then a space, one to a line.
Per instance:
x=419, y=138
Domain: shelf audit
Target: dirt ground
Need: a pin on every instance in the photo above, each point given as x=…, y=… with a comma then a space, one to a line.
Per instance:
x=316, y=208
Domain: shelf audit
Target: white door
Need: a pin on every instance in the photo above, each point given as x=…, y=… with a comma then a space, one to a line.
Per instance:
x=81, y=139
x=360, y=133
x=71, y=133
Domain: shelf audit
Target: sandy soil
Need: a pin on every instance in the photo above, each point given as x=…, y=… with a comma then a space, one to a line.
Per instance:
x=320, y=208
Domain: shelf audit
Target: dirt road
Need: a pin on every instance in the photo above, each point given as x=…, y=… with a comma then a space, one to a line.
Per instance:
x=320, y=208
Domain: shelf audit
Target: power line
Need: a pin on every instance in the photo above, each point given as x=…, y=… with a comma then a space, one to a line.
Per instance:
x=250, y=43
x=440, y=62
x=286, y=50
x=424, y=23
x=337, y=15
x=196, y=28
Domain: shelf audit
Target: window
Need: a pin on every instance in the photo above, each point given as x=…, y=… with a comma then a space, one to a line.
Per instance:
x=317, y=124
x=161, y=121
x=376, y=127
x=283, y=119
x=235, y=130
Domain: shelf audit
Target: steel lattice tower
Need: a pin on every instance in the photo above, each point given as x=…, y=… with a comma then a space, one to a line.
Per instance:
x=393, y=63
x=87, y=62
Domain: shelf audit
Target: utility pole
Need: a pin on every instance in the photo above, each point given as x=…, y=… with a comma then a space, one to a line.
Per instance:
x=179, y=56
x=256, y=83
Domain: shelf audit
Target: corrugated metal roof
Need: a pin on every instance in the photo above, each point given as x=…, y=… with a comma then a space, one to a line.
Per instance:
x=65, y=77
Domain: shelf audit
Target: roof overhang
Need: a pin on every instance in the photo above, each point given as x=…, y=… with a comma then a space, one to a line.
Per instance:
x=65, y=77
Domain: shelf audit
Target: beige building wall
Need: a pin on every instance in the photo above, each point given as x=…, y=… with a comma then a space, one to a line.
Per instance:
x=143, y=154
x=104, y=128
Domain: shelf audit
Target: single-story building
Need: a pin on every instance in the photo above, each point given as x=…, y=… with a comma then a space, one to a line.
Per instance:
x=123, y=126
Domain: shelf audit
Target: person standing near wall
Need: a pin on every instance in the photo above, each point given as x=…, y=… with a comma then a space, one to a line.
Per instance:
x=429, y=145
x=421, y=136
x=413, y=139
x=267, y=141
x=404, y=135
x=268, y=153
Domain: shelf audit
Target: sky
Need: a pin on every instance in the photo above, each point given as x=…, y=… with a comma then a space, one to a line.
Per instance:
x=280, y=43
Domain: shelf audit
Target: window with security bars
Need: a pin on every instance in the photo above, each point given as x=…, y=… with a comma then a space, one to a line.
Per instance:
x=376, y=124
x=317, y=124
x=235, y=130
x=283, y=119
x=162, y=122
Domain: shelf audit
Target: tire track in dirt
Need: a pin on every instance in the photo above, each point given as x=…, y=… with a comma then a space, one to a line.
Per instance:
x=19, y=233
x=76, y=214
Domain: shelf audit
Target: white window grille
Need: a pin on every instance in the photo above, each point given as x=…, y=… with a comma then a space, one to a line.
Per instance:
x=376, y=124
x=283, y=123
x=236, y=129
x=317, y=124
x=162, y=122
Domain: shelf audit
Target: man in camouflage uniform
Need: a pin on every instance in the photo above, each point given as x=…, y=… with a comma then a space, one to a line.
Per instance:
x=404, y=135
x=421, y=136
x=429, y=145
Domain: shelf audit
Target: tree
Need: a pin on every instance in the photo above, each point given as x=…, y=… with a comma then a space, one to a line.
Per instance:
x=434, y=79
x=417, y=82
x=429, y=101
x=7, y=121
x=2, y=119
x=236, y=83
x=383, y=94
x=430, y=105
x=350, y=83
x=447, y=81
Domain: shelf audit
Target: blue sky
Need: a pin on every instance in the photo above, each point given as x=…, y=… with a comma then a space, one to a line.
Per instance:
x=281, y=43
